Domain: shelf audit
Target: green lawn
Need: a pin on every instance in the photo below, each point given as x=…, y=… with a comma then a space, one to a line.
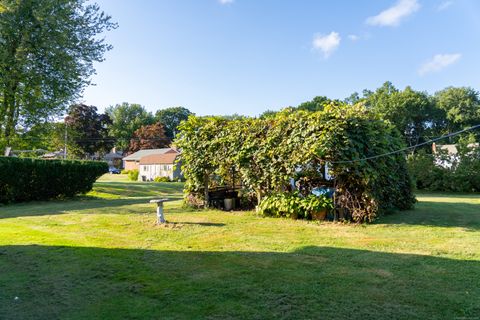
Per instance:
x=101, y=256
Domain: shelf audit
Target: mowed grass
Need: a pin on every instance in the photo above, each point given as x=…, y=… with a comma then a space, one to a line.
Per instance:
x=101, y=256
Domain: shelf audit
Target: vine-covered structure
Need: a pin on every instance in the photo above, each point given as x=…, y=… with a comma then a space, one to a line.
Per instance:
x=262, y=156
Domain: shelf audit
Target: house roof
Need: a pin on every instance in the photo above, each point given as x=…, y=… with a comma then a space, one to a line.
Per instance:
x=142, y=153
x=113, y=155
x=166, y=158
x=55, y=154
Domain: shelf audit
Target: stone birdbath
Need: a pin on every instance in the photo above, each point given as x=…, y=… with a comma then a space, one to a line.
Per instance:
x=160, y=215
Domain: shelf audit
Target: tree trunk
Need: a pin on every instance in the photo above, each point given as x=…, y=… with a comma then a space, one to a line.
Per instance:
x=259, y=197
x=205, y=185
x=9, y=119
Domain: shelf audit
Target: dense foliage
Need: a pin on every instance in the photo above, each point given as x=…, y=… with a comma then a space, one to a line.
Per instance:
x=126, y=119
x=47, y=54
x=88, y=131
x=171, y=119
x=149, y=137
x=263, y=154
x=30, y=179
x=293, y=205
x=461, y=174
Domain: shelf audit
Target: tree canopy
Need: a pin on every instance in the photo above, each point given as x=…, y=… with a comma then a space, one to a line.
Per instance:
x=88, y=131
x=171, y=119
x=126, y=119
x=47, y=53
x=149, y=137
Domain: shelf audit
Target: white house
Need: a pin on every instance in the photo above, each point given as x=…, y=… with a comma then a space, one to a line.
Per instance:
x=159, y=165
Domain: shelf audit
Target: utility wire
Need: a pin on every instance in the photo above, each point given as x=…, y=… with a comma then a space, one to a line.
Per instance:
x=408, y=148
x=332, y=162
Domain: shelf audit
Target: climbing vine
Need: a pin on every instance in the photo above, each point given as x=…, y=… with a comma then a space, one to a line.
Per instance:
x=262, y=155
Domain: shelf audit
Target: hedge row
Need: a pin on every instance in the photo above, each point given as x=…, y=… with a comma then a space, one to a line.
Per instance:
x=31, y=179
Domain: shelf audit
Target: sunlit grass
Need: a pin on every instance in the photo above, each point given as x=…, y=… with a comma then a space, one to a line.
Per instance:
x=102, y=256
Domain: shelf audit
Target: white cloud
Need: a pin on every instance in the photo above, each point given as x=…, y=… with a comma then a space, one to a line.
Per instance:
x=444, y=5
x=438, y=62
x=353, y=37
x=392, y=16
x=225, y=1
x=327, y=44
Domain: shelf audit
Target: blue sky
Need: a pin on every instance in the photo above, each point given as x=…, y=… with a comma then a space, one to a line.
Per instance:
x=248, y=56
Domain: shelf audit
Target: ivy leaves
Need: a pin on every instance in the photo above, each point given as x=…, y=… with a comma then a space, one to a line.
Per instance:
x=265, y=153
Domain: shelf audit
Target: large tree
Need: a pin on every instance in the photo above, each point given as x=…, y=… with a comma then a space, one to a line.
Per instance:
x=171, y=118
x=126, y=119
x=461, y=106
x=149, y=137
x=412, y=112
x=47, y=51
x=88, y=131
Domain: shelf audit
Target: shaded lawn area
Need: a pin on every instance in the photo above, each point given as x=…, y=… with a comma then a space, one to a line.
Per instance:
x=104, y=258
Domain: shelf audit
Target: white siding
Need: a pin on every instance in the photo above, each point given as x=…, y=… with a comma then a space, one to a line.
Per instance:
x=151, y=171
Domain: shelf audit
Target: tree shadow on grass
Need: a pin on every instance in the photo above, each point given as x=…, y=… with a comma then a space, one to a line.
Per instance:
x=139, y=189
x=203, y=224
x=438, y=214
x=314, y=282
x=81, y=203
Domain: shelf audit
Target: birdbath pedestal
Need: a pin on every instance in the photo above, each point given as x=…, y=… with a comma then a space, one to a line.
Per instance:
x=160, y=215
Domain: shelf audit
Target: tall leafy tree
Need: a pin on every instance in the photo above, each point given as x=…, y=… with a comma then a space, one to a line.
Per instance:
x=317, y=104
x=48, y=136
x=461, y=106
x=149, y=137
x=47, y=51
x=126, y=119
x=412, y=112
x=171, y=119
x=88, y=131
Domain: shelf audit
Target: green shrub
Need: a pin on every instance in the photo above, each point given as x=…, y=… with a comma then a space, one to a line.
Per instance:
x=462, y=176
x=293, y=205
x=125, y=171
x=25, y=179
x=133, y=175
x=162, y=179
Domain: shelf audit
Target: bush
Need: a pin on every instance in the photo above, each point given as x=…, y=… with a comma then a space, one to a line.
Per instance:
x=293, y=205
x=125, y=171
x=25, y=179
x=162, y=179
x=193, y=201
x=462, y=176
x=133, y=175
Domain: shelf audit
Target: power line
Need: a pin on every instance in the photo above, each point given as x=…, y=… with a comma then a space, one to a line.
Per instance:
x=332, y=162
x=407, y=148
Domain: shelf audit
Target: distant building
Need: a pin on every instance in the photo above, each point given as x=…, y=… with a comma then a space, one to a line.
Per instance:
x=447, y=154
x=132, y=162
x=54, y=155
x=159, y=165
x=114, y=158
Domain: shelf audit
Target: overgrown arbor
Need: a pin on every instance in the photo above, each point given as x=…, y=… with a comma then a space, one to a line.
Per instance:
x=265, y=153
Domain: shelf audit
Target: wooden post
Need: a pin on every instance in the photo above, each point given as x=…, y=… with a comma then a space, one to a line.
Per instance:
x=205, y=185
